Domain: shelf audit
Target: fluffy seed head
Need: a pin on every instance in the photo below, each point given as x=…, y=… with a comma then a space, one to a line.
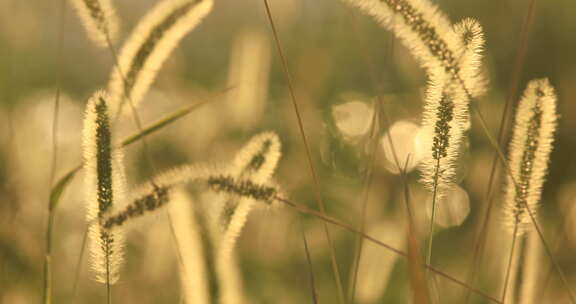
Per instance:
x=149, y=198
x=150, y=44
x=444, y=122
x=470, y=32
x=255, y=163
x=529, y=152
x=423, y=29
x=104, y=188
x=99, y=19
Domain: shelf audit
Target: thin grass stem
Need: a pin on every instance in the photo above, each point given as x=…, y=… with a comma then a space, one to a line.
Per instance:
x=319, y=201
x=510, y=262
x=513, y=91
x=47, y=285
x=310, y=268
x=78, y=266
x=378, y=114
x=433, y=213
x=328, y=219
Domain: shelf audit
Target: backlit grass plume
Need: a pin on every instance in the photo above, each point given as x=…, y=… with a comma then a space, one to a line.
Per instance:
x=150, y=43
x=444, y=122
x=529, y=152
x=151, y=197
x=255, y=162
x=104, y=188
x=423, y=29
x=470, y=61
x=99, y=19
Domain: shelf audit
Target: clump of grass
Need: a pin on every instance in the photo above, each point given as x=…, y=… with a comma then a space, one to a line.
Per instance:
x=99, y=19
x=104, y=188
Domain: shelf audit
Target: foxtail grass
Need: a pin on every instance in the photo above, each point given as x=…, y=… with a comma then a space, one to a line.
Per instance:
x=256, y=162
x=444, y=122
x=150, y=197
x=99, y=19
x=451, y=57
x=422, y=28
x=529, y=152
x=104, y=188
x=471, y=33
x=528, y=157
x=149, y=45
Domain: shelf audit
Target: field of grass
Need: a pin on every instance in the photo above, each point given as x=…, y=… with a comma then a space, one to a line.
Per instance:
x=326, y=151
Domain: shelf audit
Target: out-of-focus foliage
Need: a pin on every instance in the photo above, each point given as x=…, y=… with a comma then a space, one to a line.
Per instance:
x=340, y=62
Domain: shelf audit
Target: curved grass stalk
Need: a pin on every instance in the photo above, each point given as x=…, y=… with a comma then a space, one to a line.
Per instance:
x=256, y=161
x=148, y=198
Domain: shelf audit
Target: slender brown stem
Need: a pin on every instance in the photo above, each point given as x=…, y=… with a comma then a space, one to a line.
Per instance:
x=78, y=265
x=417, y=278
x=310, y=268
x=374, y=134
x=334, y=221
x=433, y=213
x=315, y=177
x=510, y=262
